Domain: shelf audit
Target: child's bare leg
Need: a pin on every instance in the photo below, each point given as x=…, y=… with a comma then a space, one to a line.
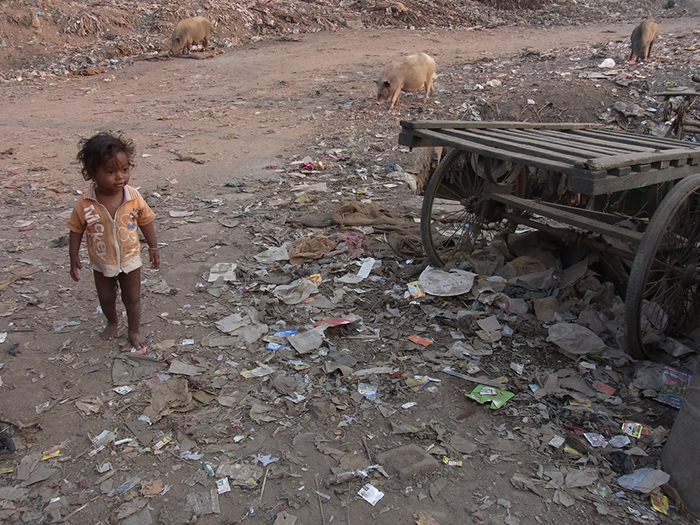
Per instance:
x=131, y=297
x=107, y=294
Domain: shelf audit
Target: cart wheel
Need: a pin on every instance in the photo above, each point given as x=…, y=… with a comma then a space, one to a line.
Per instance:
x=455, y=220
x=663, y=294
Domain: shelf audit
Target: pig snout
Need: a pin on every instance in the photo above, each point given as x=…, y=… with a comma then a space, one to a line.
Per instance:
x=384, y=91
x=175, y=48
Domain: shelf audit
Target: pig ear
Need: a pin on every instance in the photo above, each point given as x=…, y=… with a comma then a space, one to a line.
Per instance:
x=387, y=83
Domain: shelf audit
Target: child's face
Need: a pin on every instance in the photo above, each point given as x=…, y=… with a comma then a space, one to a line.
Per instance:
x=113, y=174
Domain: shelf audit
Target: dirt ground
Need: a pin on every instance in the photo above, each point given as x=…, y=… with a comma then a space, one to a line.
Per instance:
x=226, y=147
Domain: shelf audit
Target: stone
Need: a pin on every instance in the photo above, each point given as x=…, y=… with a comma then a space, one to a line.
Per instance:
x=546, y=309
x=407, y=461
x=322, y=409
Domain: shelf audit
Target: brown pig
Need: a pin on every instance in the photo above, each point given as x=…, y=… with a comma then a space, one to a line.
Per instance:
x=643, y=37
x=409, y=74
x=190, y=31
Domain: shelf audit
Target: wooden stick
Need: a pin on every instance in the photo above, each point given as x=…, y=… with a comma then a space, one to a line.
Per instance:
x=80, y=508
x=262, y=490
x=369, y=454
x=320, y=503
x=19, y=275
x=486, y=382
x=347, y=507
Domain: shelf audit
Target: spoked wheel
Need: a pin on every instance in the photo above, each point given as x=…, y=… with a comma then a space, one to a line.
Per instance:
x=455, y=219
x=663, y=294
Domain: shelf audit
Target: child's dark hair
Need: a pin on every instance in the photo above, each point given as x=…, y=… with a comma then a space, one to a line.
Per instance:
x=100, y=148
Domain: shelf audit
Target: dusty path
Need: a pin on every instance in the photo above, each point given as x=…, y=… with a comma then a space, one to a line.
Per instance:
x=269, y=95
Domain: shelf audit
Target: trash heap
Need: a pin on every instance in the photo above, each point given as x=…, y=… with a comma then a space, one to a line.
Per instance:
x=338, y=366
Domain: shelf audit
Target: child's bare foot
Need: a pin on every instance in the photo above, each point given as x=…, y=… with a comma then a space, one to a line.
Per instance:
x=129, y=348
x=138, y=341
x=110, y=331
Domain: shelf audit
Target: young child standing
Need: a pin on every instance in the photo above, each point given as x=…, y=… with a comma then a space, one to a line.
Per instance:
x=110, y=213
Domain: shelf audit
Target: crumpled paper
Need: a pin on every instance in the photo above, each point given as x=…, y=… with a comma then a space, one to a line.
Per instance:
x=446, y=284
x=575, y=340
x=313, y=247
x=296, y=291
x=171, y=394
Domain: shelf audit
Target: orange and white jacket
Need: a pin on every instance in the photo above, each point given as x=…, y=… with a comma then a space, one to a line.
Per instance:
x=113, y=244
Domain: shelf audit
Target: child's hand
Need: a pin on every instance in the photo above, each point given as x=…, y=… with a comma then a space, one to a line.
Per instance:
x=74, y=240
x=154, y=257
x=75, y=265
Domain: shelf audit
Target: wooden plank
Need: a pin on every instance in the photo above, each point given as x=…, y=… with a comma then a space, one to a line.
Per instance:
x=568, y=233
x=608, y=218
x=580, y=137
x=498, y=141
x=676, y=94
x=531, y=138
x=437, y=138
x=572, y=141
x=603, y=185
x=571, y=218
x=584, y=185
x=628, y=159
x=643, y=141
x=407, y=138
x=619, y=172
x=577, y=139
x=661, y=165
x=512, y=141
x=414, y=141
x=496, y=153
x=465, y=124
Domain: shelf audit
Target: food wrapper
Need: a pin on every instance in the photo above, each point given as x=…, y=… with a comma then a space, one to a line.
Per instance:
x=367, y=390
x=636, y=430
x=451, y=462
x=415, y=289
x=487, y=394
x=371, y=494
x=420, y=340
x=659, y=502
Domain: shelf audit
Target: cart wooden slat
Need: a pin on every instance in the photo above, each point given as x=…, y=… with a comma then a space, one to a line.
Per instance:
x=595, y=159
x=570, y=218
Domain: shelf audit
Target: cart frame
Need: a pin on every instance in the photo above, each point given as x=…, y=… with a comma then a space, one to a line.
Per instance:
x=663, y=293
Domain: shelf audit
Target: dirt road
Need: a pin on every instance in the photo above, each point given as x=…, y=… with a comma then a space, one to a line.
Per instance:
x=271, y=95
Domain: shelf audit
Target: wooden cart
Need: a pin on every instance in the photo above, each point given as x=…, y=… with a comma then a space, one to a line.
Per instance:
x=482, y=187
